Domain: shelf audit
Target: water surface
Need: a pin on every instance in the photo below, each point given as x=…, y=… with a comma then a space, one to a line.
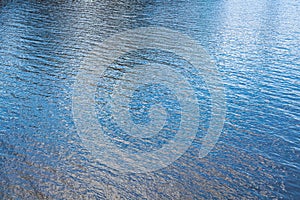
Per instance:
x=255, y=44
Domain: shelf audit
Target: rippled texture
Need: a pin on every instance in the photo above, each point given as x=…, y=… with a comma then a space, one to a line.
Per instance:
x=255, y=44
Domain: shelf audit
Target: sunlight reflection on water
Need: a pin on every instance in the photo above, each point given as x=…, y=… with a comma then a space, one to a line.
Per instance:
x=254, y=45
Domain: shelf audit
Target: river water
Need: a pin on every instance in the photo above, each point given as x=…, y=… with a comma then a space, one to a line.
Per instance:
x=44, y=46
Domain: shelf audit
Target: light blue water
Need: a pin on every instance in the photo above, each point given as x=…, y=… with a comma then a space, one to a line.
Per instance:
x=255, y=44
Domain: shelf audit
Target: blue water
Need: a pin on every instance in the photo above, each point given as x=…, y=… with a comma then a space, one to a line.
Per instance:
x=255, y=45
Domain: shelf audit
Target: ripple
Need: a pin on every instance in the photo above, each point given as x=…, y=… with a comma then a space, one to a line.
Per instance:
x=255, y=46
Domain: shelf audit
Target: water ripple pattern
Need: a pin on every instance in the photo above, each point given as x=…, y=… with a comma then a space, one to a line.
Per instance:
x=45, y=46
x=148, y=38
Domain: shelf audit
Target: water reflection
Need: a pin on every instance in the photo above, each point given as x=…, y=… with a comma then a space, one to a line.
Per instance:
x=42, y=45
